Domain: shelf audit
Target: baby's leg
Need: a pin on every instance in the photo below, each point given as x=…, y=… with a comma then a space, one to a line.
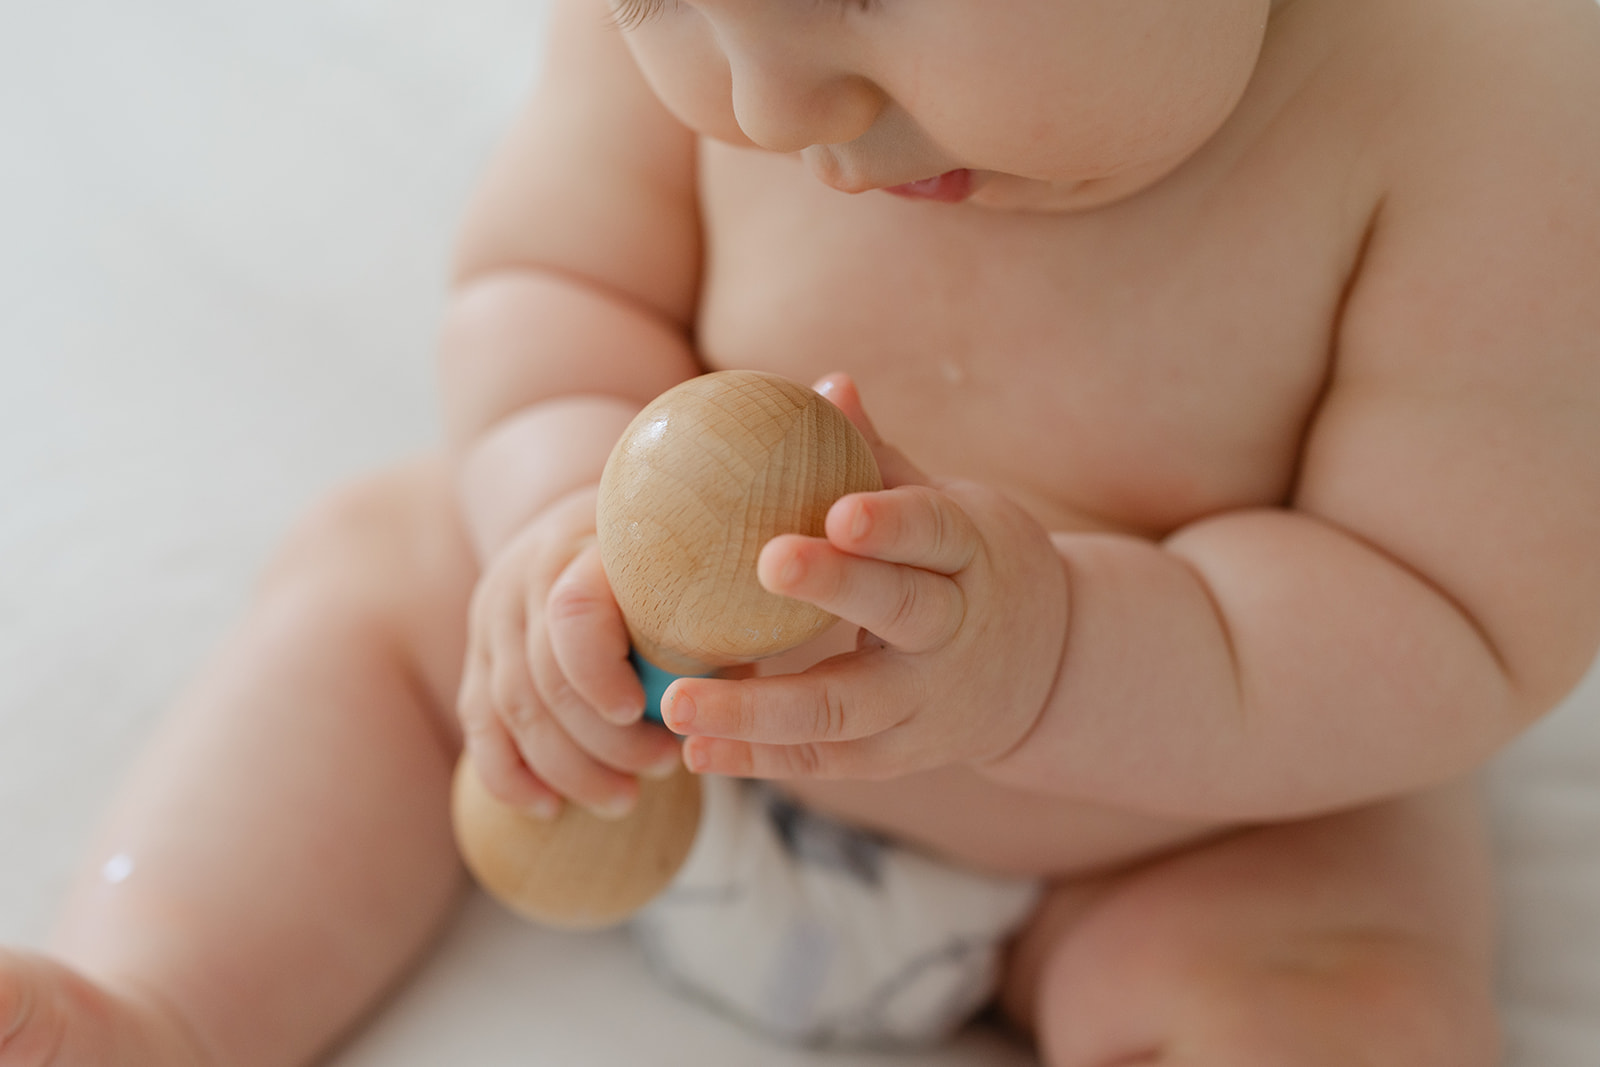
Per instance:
x=284, y=850
x=1359, y=938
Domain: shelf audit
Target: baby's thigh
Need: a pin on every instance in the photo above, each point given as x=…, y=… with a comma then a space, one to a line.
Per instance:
x=1360, y=937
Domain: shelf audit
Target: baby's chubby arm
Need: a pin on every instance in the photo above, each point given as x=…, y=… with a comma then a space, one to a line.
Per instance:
x=575, y=281
x=1434, y=584
x=575, y=284
x=1432, y=587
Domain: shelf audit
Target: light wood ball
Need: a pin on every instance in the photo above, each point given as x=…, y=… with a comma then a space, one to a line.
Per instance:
x=577, y=871
x=701, y=479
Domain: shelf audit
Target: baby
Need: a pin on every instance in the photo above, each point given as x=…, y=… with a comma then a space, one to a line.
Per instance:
x=1234, y=368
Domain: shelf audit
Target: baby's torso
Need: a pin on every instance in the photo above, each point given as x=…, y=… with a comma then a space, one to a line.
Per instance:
x=1135, y=366
x=1132, y=368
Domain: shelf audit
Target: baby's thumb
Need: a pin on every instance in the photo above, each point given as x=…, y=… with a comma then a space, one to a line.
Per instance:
x=893, y=465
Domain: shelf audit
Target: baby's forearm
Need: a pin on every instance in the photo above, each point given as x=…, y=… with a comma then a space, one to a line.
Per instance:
x=1256, y=666
x=539, y=374
x=532, y=458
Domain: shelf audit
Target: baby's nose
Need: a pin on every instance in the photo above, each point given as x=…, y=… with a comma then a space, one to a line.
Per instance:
x=786, y=112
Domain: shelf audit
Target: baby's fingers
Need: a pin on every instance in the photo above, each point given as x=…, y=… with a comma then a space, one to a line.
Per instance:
x=896, y=469
x=521, y=753
x=741, y=759
x=492, y=751
x=913, y=524
x=845, y=698
x=590, y=642
x=503, y=773
x=557, y=759
x=913, y=610
x=496, y=681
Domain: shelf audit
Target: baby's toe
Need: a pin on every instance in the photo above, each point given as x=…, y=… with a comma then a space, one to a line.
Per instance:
x=52, y=1016
x=32, y=1027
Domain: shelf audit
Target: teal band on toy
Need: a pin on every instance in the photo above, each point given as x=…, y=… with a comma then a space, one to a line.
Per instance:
x=655, y=682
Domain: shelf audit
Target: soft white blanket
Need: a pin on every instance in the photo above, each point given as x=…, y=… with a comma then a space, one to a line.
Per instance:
x=223, y=229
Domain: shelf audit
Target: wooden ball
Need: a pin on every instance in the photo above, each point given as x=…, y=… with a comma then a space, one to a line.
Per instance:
x=701, y=479
x=578, y=871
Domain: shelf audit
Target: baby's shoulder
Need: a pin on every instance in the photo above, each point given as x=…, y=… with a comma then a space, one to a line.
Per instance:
x=1454, y=78
x=1458, y=128
x=1479, y=259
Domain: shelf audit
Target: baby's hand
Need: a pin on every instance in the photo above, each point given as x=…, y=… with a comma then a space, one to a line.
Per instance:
x=549, y=705
x=962, y=601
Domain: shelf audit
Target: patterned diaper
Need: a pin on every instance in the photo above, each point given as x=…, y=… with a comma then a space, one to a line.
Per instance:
x=821, y=934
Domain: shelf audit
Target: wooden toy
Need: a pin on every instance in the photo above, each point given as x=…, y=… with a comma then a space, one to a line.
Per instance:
x=701, y=479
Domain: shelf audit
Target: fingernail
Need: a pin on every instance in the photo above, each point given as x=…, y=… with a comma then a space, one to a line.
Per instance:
x=792, y=572
x=545, y=809
x=616, y=808
x=695, y=758
x=664, y=769
x=679, y=711
x=861, y=523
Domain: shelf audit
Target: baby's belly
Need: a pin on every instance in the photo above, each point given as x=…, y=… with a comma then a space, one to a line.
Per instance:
x=960, y=815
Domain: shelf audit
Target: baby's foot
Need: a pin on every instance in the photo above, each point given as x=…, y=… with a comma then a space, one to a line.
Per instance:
x=50, y=1016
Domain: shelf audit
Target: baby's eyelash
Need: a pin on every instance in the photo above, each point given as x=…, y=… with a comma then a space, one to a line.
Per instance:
x=631, y=14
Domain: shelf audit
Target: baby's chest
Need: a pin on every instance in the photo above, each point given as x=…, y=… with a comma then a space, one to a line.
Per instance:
x=1140, y=374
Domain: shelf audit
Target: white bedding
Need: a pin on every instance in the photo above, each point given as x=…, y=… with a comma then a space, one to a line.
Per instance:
x=222, y=234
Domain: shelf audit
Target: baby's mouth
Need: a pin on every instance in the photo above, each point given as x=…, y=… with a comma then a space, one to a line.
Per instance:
x=951, y=187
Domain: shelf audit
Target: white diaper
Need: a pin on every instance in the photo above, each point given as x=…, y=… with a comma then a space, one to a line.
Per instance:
x=821, y=934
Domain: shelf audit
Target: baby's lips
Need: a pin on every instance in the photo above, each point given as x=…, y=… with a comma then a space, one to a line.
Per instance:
x=951, y=187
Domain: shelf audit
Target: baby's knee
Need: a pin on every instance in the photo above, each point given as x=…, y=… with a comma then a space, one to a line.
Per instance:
x=385, y=550
x=394, y=527
x=1356, y=998
x=1328, y=1001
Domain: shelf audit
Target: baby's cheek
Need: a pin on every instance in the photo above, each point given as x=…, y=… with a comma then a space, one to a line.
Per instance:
x=689, y=74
